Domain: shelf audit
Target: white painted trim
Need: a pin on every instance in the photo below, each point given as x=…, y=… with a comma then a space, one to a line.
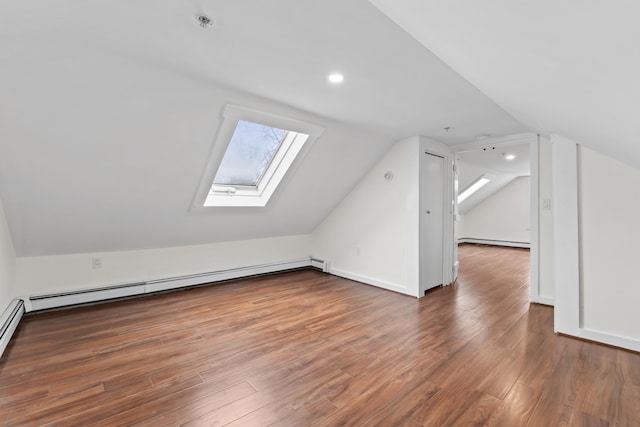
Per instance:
x=495, y=242
x=521, y=138
x=82, y=296
x=533, y=140
x=449, y=272
x=610, y=339
x=206, y=201
x=534, y=219
x=566, y=239
x=566, y=221
x=9, y=322
x=370, y=281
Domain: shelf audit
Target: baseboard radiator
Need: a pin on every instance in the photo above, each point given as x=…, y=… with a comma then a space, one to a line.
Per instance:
x=9, y=322
x=14, y=312
x=61, y=299
x=494, y=242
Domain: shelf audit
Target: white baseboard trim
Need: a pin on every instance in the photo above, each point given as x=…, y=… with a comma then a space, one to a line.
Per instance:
x=607, y=338
x=544, y=301
x=495, y=242
x=370, y=281
x=83, y=296
x=9, y=322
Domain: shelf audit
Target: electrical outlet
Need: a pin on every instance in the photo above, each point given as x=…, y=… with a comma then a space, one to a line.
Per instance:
x=546, y=204
x=96, y=263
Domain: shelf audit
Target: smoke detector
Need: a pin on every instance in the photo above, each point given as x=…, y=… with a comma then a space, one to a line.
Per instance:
x=204, y=20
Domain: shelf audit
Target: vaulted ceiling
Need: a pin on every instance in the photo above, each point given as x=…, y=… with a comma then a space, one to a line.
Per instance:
x=569, y=67
x=109, y=109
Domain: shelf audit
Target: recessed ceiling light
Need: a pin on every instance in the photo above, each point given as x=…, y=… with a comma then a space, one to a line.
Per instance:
x=509, y=156
x=336, y=78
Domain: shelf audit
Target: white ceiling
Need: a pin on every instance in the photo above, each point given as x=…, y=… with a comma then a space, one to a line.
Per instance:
x=568, y=67
x=490, y=160
x=109, y=108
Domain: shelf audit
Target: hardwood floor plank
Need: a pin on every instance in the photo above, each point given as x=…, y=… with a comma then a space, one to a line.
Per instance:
x=307, y=348
x=303, y=407
x=380, y=395
x=176, y=408
x=504, y=375
x=402, y=410
x=302, y=416
x=478, y=413
x=516, y=408
x=300, y=385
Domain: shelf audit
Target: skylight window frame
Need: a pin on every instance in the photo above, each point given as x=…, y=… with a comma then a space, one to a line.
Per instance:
x=298, y=140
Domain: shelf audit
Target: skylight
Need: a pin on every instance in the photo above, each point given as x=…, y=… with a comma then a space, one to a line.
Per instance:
x=251, y=154
x=250, y=151
x=475, y=186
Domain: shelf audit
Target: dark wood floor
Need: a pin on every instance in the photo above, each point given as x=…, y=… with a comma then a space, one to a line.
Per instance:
x=305, y=348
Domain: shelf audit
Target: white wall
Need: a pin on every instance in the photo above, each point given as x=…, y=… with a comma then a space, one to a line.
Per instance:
x=609, y=211
x=545, y=239
x=373, y=235
x=365, y=236
x=7, y=262
x=50, y=274
x=503, y=216
x=595, y=229
x=150, y=133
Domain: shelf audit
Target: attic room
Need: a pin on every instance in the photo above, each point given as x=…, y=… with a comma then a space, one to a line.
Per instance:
x=137, y=286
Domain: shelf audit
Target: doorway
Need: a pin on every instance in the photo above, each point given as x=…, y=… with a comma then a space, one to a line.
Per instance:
x=497, y=197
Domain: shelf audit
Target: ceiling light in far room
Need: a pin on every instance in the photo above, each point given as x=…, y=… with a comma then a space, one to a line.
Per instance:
x=335, y=78
x=508, y=156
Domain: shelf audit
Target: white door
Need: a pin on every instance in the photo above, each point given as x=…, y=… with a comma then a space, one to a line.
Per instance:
x=433, y=222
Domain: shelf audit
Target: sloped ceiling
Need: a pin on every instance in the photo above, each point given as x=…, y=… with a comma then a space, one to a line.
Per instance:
x=568, y=67
x=109, y=109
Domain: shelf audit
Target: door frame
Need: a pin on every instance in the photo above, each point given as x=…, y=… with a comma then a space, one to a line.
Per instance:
x=429, y=146
x=532, y=139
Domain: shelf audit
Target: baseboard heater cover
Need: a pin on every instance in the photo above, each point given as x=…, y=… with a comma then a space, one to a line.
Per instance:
x=83, y=296
x=9, y=322
x=320, y=265
x=47, y=301
x=222, y=275
x=495, y=242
